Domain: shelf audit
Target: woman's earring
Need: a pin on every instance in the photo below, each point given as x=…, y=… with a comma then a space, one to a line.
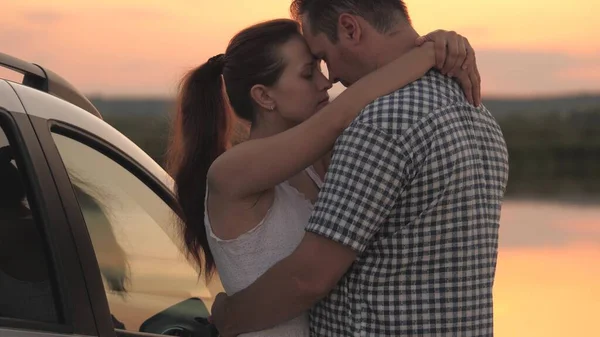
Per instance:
x=272, y=108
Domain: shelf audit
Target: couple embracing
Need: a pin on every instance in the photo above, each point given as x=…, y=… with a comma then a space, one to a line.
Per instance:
x=373, y=214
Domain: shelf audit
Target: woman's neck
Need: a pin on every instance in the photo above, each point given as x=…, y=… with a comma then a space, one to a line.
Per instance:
x=263, y=129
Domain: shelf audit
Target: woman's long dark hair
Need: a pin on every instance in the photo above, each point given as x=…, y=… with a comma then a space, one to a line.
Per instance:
x=201, y=127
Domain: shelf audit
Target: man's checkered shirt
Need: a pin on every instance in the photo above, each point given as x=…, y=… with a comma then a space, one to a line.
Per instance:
x=415, y=187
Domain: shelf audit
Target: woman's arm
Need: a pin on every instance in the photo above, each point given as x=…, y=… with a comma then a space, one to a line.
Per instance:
x=257, y=165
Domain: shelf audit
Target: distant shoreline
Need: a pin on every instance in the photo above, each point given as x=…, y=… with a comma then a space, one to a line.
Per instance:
x=488, y=97
x=553, y=143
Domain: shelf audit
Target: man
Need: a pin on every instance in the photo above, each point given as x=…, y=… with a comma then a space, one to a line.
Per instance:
x=403, y=239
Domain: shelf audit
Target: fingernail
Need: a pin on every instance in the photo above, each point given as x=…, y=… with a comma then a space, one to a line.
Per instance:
x=450, y=74
x=464, y=67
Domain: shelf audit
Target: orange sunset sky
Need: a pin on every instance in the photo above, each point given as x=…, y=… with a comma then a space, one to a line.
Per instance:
x=142, y=47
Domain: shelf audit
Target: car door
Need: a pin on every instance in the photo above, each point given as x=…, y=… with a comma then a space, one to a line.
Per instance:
x=42, y=289
x=137, y=274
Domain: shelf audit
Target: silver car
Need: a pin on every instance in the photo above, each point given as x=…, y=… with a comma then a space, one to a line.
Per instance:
x=89, y=244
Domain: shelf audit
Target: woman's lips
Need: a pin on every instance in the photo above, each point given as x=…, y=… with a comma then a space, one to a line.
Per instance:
x=323, y=102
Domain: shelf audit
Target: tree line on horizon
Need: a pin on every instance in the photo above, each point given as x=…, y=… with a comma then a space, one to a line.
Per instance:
x=554, y=146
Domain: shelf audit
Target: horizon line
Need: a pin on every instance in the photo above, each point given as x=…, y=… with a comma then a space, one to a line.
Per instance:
x=540, y=96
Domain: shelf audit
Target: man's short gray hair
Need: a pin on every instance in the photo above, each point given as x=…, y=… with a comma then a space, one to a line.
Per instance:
x=322, y=15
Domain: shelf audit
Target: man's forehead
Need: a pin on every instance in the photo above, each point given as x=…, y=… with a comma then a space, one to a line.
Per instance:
x=306, y=28
x=305, y=24
x=312, y=40
x=314, y=46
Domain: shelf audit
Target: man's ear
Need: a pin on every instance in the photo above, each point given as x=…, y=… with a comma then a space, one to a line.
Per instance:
x=349, y=28
x=260, y=95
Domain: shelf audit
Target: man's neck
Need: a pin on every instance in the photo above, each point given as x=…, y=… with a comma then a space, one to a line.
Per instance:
x=394, y=44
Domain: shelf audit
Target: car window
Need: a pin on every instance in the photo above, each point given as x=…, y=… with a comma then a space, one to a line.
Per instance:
x=146, y=276
x=26, y=288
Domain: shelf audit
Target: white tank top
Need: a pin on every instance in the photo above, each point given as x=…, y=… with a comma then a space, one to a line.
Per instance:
x=242, y=260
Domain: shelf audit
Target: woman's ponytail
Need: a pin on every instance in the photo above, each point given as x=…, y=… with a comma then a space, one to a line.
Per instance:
x=200, y=134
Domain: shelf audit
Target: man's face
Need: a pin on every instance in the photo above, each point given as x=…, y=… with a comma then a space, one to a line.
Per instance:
x=343, y=63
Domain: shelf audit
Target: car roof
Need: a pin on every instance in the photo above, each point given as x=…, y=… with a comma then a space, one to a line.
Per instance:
x=43, y=79
x=45, y=94
x=40, y=104
x=9, y=99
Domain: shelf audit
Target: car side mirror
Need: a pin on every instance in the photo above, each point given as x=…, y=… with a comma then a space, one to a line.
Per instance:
x=185, y=319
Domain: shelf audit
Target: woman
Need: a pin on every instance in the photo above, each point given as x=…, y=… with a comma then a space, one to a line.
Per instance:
x=258, y=195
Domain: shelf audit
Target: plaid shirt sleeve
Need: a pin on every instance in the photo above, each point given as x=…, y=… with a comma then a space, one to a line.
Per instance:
x=362, y=184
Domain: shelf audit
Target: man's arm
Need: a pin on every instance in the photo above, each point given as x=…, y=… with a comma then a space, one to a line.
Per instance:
x=361, y=187
x=290, y=287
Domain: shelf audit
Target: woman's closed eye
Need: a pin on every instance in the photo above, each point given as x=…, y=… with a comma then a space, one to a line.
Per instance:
x=308, y=74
